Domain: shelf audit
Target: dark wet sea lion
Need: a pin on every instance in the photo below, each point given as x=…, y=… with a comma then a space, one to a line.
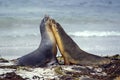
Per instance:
x=71, y=52
x=46, y=53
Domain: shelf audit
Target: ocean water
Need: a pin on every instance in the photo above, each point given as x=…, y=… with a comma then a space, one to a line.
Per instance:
x=93, y=24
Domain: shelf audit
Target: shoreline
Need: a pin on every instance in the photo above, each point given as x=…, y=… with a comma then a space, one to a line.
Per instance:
x=9, y=71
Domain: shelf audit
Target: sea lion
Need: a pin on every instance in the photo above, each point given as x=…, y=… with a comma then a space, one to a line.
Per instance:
x=45, y=54
x=71, y=52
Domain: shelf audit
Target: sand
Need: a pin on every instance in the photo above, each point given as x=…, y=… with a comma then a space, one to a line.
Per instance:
x=111, y=71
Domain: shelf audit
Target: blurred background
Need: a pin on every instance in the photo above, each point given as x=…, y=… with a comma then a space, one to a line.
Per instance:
x=93, y=24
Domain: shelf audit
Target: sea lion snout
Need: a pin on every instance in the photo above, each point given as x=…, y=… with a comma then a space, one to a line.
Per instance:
x=46, y=18
x=54, y=25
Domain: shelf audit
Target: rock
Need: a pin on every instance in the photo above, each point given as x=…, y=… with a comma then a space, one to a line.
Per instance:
x=10, y=76
x=3, y=60
x=109, y=71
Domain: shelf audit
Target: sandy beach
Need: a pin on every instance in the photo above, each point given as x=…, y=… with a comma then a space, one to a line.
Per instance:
x=94, y=25
x=9, y=71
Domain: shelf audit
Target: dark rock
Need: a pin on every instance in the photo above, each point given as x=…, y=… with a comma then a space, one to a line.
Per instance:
x=114, y=57
x=10, y=76
x=112, y=69
x=3, y=60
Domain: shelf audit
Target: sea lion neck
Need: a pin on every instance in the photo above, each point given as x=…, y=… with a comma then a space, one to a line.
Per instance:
x=44, y=36
x=42, y=26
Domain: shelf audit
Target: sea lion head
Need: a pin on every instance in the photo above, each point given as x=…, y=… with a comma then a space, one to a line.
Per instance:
x=56, y=28
x=44, y=23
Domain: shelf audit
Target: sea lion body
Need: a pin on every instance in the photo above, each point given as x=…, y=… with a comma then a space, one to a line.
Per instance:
x=45, y=55
x=71, y=52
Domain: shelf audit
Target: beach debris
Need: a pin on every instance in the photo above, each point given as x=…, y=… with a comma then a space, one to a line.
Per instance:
x=109, y=71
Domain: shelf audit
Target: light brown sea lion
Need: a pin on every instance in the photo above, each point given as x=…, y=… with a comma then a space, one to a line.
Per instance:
x=46, y=53
x=71, y=52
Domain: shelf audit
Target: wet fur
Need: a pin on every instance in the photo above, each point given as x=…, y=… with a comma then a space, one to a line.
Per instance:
x=45, y=55
x=70, y=51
